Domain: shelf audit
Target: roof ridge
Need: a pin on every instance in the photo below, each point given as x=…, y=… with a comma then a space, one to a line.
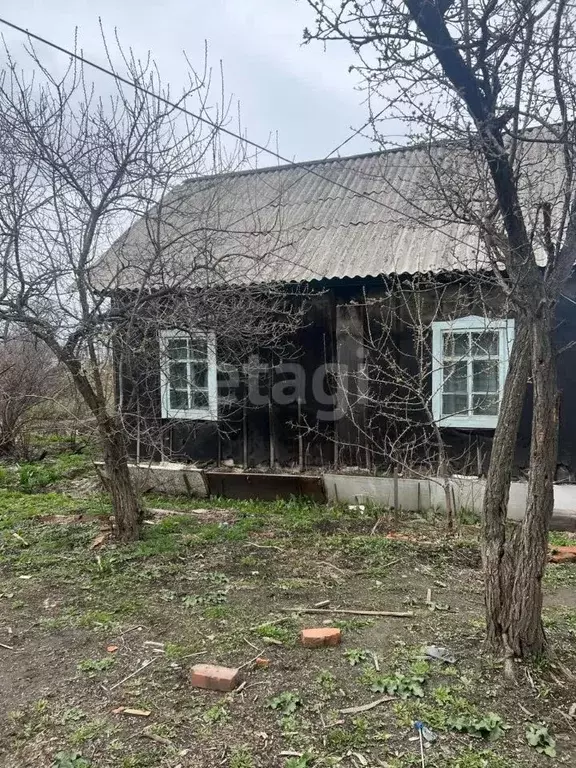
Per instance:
x=419, y=145
x=324, y=161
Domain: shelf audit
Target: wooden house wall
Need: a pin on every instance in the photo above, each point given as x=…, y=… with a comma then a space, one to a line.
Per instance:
x=332, y=331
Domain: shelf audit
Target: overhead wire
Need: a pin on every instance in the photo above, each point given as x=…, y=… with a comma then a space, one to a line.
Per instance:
x=307, y=167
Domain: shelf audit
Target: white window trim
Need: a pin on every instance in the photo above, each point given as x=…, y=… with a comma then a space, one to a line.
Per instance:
x=505, y=327
x=198, y=414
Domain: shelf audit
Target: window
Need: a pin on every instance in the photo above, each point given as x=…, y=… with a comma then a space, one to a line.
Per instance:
x=188, y=375
x=470, y=366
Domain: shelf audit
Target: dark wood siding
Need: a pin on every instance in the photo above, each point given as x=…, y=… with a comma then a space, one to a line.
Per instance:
x=290, y=434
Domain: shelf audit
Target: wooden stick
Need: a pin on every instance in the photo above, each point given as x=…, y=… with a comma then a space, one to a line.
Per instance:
x=250, y=661
x=130, y=629
x=365, y=707
x=396, y=614
x=141, y=669
x=8, y=647
x=156, y=738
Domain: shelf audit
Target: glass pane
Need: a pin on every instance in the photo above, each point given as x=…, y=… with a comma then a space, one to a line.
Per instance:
x=198, y=348
x=199, y=375
x=177, y=349
x=454, y=404
x=485, y=376
x=178, y=399
x=456, y=377
x=456, y=344
x=485, y=344
x=485, y=405
x=199, y=398
x=178, y=375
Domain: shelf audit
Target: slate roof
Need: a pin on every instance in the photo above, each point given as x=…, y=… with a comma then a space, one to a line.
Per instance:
x=367, y=215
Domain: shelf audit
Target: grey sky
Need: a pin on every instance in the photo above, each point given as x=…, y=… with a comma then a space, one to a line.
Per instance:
x=303, y=92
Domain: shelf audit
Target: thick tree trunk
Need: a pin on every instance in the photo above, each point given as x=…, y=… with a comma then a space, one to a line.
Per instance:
x=496, y=557
x=513, y=569
x=524, y=634
x=127, y=510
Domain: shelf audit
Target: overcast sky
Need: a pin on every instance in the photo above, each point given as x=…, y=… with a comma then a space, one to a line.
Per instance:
x=304, y=93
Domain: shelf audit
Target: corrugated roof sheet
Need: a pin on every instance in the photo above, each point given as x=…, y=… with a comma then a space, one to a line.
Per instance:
x=380, y=213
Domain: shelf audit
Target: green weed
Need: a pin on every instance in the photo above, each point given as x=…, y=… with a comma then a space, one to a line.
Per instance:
x=241, y=758
x=538, y=736
x=89, y=731
x=70, y=760
x=286, y=703
x=356, y=656
x=93, y=667
x=489, y=727
x=327, y=681
x=216, y=714
x=281, y=633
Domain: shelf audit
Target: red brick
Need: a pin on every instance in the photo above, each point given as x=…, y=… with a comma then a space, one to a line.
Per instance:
x=262, y=663
x=320, y=636
x=214, y=678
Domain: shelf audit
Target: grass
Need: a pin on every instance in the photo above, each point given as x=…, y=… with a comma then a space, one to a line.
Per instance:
x=193, y=591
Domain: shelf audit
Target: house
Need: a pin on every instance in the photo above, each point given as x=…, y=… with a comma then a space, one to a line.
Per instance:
x=399, y=359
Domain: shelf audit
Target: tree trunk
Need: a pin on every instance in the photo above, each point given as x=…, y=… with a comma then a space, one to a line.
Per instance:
x=524, y=634
x=513, y=570
x=496, y=557
x=127, y=511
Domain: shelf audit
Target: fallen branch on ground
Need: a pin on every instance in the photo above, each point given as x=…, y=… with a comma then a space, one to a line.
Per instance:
x=133, y=674
x=365, y=707
x=157, y=739
x=370, y=571
x=268, y=623
x=393, y=614
x=331, y=565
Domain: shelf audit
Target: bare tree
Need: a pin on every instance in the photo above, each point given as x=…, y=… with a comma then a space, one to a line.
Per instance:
x=495, y=77
x=29, y=378
x=77, y=169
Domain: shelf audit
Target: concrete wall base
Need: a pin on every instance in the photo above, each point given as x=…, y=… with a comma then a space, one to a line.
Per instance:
x=169, y=478
x=420, y=495
x=413, y=495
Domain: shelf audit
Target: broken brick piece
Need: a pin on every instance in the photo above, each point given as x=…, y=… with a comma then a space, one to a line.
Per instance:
x=262, y=663
x=214, y=678
x=563, y=555
x=320, y=636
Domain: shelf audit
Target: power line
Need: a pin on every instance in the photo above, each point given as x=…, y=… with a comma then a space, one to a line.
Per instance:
x=306, y=168
x=148, y=92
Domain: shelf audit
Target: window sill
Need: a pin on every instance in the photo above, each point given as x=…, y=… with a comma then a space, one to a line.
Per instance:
x=469, y=422
x=199, y=415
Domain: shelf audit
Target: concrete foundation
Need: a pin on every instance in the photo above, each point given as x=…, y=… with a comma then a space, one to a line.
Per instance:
x=420, y=495
x=169, y=478
x=412, y=495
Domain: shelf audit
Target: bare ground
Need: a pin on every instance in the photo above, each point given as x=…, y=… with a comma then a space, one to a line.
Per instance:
x=202, y=587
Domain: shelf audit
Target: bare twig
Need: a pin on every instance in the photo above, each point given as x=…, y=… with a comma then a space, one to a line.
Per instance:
x=133, y=674
x=158, y=739
x=251, y=661
x=269, y=623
